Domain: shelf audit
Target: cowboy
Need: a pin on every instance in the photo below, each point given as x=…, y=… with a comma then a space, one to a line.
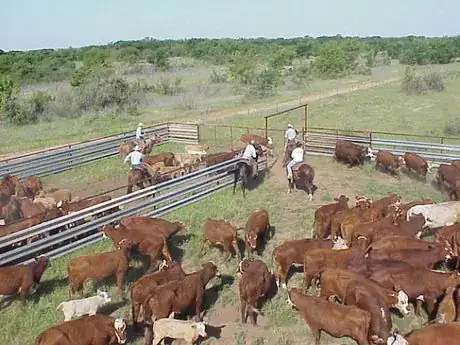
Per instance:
x=297, y=157
x=140, y=136
x=136, y=159
x=289, y=135
x=250, y=155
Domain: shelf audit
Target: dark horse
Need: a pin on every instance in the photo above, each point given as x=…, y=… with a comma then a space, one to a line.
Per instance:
x=287, y=153
x=303, y=175
x=141, y=179
x=244, y=170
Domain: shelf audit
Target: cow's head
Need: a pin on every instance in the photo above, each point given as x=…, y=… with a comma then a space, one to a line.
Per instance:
x=447, y=250
x=212, y=267
x=269, y=141
x=400, y=161
x=363, y=202
x=120, y=330
x=200, y=328
x=251, y=238
x=403, y=302
x=339, y=243
x=397, y=339
x=368, y=152
x=163, y=266
x=104, y=295
x=429, y=167
x=342, y=199
x=2, y=222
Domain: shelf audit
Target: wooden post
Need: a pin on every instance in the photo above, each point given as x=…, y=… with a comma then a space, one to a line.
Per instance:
x=266, y=127
x=198, y=132
x=305, y=118
x=231, y=137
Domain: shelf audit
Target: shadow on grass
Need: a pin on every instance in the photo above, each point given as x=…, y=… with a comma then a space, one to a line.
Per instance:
x=212, y=294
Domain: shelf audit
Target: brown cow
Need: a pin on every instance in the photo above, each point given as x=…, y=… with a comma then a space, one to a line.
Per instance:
x=11, y=212
x=220, y=232
x=75, y=206
x=323, y=216
x=147, y=224
x=180, y=296
x=291, y=253
x=447, y=307
x=166, y=157
x=219, y=157
x=456, y=163
x=99, y=267
x=148, y=242
x=254, y=284
x=267, y=142
x=257, y=229
x=416, y=163
x=362, y=203
x=351, y=153
x=89, y=330
x=447, y=177
x=30, y=209
x=142, y=288
x=396, y=242
x=335, y=319
x=22, y=279
x=388, y=161
x=8, y=185
x=437, y=334
x=29, y=187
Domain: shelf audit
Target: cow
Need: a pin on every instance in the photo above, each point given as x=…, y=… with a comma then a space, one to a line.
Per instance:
x=335, y=319
x=323, y=216
x=8, y=186
x=180, y=296
x=397, y=242
x=29, y=187
x=437, y=215
x=456, y=163
x=99, y=267
x=22, y=279
x=448, y=176
x=447, y=307
x=143, y=287
x=220, y=232
x=190, y=331
x=388, y=161
x=158, y=225
x=414, y=162
x=437, y=334
x=267, y=142
x=63, y=195
x=167, y=158
x=254, y=284
x=85, y=306
x=90, y=330
x=188, y=161
x=30, y=209
x=46, y=201
x=257, y=230
x=219, y=157
x=11, y=211
x=197, y=149
x=351, y=153
x=361, y=204
x=409, y=205
x=75, y=206
x=291, y=253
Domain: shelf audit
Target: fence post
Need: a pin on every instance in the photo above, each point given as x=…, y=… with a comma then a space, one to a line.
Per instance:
x=231, y=137
x=305, y=120
x=266, y=126
x=215, y=135
x=198, y=133
x=442, y=143
x=370, y=139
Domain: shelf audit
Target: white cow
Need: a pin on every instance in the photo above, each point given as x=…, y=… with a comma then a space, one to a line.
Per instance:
x=178, y=329
x=437, y=215
x=85, y=306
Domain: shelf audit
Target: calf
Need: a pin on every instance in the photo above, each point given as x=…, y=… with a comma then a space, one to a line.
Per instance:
x=219, y=157
x=197, y=149
x=323, y=216
x=46, y=201
x=86, y=306
x=29, y=187
x=416, y=163
x=351, y=153
x=166, y=157
x=148, y=225
x=335, y=319
x=456, y=163
x=30, y=209
x=187, y=161
x=409, y=205
x=447, y=308
x=72, y=207
x=99, y=267
x=362, y=204
x=292, y=252
x=396, y=242
x=437, y=215
x=180, y=296
x=178, y=329
x=257, y=228
x=220, y=232
x=388, y=161
x=437, y=334
x=22, y=279
x=254, y=284
x=63, y=195
x=448, y=177
x=90, y=330
x=143, y=287
x=267, y=142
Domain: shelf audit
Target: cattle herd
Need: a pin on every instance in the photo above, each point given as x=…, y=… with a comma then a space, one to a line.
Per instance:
x=362, y=264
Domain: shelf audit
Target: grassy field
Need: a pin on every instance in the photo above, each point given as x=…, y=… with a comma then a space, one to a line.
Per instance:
x=291, y=215
x=198, y=99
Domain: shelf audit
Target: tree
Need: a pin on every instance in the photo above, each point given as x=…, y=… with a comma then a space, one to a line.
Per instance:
x=159, y=58
x=331, y=60
x=8, y=90
x=283, y=57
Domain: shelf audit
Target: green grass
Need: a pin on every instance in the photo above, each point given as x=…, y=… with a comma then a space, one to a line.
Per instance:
x=292, y=216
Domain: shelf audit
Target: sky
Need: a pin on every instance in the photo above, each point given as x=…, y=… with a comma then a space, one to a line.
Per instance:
x=34, y=24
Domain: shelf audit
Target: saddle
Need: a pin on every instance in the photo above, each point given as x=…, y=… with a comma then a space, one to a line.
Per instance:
x=296, y=167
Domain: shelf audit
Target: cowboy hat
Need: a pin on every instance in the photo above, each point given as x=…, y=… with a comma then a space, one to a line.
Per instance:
x=140, y=124
x=136, y=148
x=290, y=126
x=252, y=142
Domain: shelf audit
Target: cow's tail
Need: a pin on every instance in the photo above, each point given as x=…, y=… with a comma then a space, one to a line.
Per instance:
x=59, y=307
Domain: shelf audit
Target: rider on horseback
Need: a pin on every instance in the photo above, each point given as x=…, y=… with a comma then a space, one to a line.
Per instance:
x=289, y=135
x=136, y=160
x=250, y=155
x=140, y=136
x=297, y=157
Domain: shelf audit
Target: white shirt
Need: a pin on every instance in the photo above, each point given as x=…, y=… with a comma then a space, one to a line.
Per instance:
x=250, y=151
x=297, y=154
x=290, y=134
x=138, y=133
x=136, y=158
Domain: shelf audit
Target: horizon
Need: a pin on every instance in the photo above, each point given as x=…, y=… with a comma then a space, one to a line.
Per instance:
x=58, y=24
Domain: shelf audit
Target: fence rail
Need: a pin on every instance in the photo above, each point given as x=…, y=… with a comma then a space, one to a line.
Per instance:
x=322, y=142
x=63, y=158
x=152, y=201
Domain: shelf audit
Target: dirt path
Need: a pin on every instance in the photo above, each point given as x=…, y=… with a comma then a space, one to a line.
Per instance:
x=213, y=116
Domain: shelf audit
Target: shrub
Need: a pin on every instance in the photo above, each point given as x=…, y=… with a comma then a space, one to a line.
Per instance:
x=331, y=61
x=452, y=126
x=265, y=83
x=302, y=75
x=218, y=77
x=166, y=86
x=420, y=82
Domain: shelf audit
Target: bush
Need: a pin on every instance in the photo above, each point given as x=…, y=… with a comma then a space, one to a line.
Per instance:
x=265, y=83
x=168, y=87
x=218, y=77
x=331, y=61
x=302, y=75
x=452, y=126
x=420, y=82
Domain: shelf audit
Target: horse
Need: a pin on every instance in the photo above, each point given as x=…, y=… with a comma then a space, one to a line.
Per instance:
x=302, y=175
x=244, y=170
x=140, y=178
x=127, y=146
x=287, y=153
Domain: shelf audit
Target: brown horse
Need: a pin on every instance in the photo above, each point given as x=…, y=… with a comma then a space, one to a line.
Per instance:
x=141, y=179
x=287, y=153
x=244, y=171
x=127, y=146
x=303, y=175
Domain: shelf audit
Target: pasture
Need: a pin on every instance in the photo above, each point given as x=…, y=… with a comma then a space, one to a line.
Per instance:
x=292, y=217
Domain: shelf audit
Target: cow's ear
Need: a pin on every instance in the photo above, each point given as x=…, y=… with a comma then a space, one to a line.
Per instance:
x=36, y=259
x=193, y=325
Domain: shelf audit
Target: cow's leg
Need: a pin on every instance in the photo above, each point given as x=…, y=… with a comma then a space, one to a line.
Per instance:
x=228, y=251
x=243, y=310
x=121, y=282
x=307, y=280
x=25, y=288
x=203, y=242
x=317, y=334
x=282, y=275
